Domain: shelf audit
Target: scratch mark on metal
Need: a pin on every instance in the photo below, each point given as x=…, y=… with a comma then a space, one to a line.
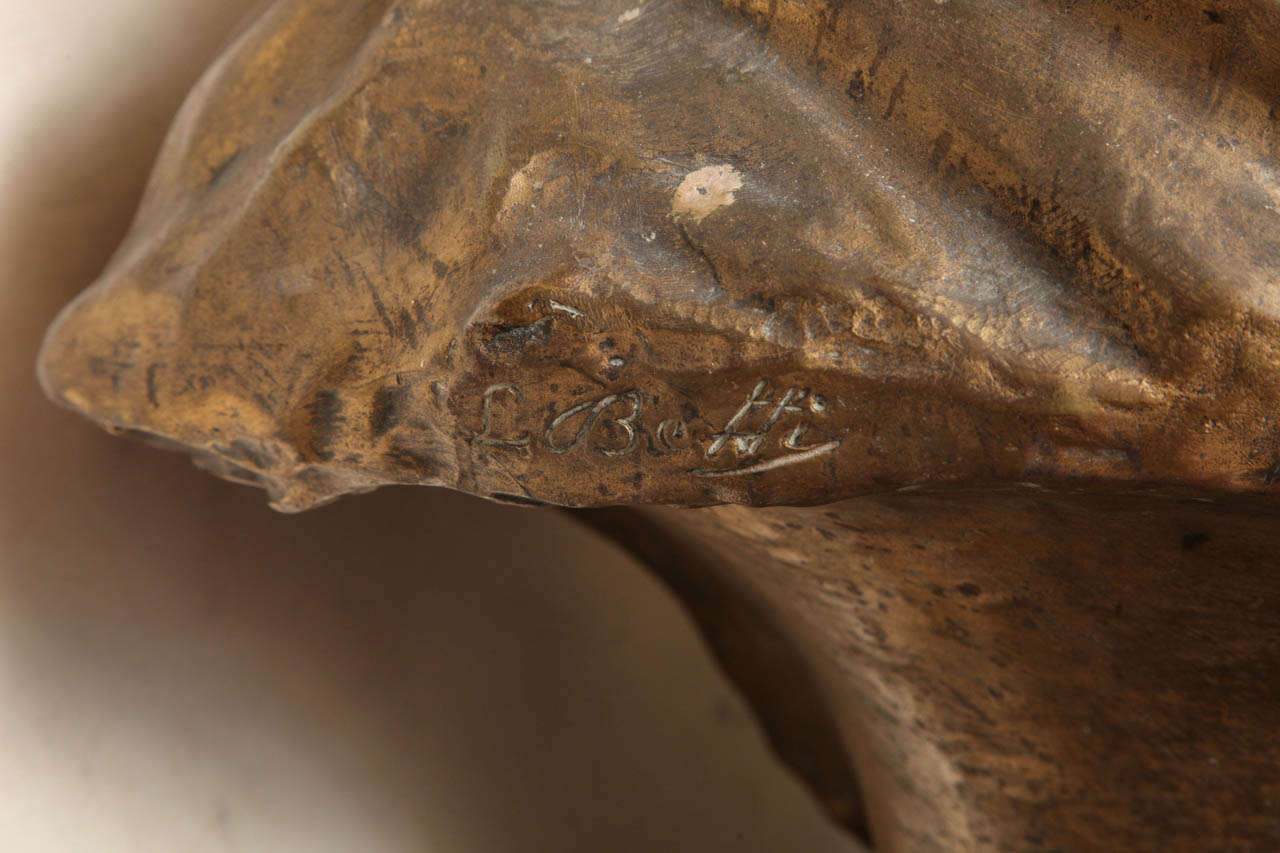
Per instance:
x=567, y=309
x=759, y=467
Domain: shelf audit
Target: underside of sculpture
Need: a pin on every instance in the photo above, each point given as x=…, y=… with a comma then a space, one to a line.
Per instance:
x=978, y=300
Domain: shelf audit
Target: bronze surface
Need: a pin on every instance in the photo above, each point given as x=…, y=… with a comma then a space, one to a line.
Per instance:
x=1019, y=259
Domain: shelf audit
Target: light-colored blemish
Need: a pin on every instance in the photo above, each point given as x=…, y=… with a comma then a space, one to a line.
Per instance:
x=705, y=191
x=565, y=309
x=616, y=362
x=75, y=398
x=790, y=459
x=629, y=15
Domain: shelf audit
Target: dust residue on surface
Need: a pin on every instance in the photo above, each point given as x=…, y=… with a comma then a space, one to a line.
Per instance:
x=705, y=191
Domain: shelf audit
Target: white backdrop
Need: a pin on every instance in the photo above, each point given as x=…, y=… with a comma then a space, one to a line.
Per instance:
x=183, y=670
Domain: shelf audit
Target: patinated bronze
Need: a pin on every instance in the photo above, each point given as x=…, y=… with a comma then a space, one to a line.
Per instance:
x=973, y=304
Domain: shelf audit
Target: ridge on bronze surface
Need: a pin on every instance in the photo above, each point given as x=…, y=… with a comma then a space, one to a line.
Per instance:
x=579, y=256
x=1017, y=258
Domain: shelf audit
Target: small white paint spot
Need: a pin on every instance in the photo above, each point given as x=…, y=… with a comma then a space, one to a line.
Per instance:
x=651, y=236
x=616, y=362
x=629, y=15
x=705, y=191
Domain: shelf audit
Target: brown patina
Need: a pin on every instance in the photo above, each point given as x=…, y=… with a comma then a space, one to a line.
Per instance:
x=972, y=304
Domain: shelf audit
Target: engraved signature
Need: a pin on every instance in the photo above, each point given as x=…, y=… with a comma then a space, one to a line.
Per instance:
x=486, y=419
x=611, y=426
x=594, y=409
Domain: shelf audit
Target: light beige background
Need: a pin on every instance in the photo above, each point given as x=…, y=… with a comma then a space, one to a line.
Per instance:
x=183, y=670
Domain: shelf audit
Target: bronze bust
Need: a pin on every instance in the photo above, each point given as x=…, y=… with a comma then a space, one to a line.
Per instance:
x=957, y=318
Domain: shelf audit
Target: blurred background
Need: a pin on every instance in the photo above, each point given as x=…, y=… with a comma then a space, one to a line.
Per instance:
x=183, y=669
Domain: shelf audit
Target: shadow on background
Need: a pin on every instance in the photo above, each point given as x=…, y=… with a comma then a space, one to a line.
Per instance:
x=182, y=669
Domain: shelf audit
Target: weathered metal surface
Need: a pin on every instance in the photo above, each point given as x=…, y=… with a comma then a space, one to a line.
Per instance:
x=568, y=253
x=1003, y=669
x=783, y=252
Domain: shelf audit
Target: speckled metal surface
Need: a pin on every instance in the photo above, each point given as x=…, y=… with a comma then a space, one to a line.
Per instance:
x=778, y=253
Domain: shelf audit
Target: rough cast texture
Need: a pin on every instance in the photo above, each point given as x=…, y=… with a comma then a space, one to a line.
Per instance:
x=1001, y=669
x=783, y=252
x=587, y=254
